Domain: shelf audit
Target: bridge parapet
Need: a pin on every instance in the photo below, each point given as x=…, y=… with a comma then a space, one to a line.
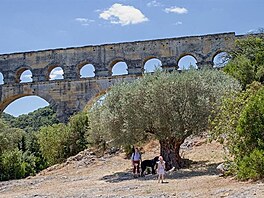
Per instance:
x=103, y=57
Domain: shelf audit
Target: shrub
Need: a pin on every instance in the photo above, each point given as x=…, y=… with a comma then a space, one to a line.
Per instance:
x=15, y=165
x=240, y=127
x=252, y=166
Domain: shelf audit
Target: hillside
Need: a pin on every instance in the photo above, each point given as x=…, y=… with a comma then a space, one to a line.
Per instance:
x=85, y=175
x=32, y=121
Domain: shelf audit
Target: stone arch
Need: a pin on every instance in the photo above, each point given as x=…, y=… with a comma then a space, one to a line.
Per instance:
x=48, y=68
x=118, y=67
x=186, y=60
x=52, y=102
x=86, y=70
x=2, y=79
x=220, y=59
x=26, y=76
x=28, y=104
x=20, y=72
x=55, y=73
x=151, y=63
x=9, y=100
x=96, y=97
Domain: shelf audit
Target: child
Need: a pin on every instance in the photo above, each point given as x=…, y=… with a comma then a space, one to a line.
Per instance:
x=161, y=169
x=135, y=159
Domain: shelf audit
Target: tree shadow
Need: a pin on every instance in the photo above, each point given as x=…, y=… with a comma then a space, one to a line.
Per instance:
x=117, y=177
x=200, y=168
x=124, y=176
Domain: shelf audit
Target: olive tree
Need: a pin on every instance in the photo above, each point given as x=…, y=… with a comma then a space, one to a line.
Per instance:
x=170, y=106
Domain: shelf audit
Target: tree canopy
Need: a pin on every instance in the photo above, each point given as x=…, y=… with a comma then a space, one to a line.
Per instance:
x=14, y=162
x=170, y=106
x=33, y=121
x=247, y=60
x=239, y=126
x=239, y=122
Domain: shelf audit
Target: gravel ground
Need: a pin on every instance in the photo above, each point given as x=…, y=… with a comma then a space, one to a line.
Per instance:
x=88, y=176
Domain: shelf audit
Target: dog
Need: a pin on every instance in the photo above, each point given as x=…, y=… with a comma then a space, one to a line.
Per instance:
x=149, y=163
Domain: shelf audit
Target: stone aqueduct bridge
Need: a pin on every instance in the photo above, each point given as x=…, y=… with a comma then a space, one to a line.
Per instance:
x=72, y=93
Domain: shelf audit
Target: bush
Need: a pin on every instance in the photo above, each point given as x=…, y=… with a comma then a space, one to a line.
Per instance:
x=252, y=166
x=59, y=141
x=53, y=141
x=16, y=165
x=250, y=126
x=239, y=126
x=78, y=127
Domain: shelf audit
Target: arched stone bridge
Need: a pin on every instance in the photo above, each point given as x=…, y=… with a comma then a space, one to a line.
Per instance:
x=72, y=93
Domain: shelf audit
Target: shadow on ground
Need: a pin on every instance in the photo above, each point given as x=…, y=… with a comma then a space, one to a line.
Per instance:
x=199, y=168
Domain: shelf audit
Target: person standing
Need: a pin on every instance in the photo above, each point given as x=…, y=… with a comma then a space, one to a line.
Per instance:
x=161, y=169
x=136, y=159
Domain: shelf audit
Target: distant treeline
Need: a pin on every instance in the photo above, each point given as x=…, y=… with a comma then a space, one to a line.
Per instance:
x=33, y=121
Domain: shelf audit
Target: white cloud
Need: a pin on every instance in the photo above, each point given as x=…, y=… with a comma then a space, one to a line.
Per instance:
x=57, y=72
x=256, y=31
x=84, y=21
x=176, y=9
x=124, y=15
x=27, y=76
x=178, y=23
x=250, y=31
x=52, y=76
x=154, y=3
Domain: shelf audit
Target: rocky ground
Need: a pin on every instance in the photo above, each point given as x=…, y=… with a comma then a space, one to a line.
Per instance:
x=85, y=175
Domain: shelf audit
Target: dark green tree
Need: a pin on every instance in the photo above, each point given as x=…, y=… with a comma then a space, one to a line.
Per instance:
x=78, y=126
x=15, y=161
x=33, y=121
x=247, y=60
x=10, y=138
x=53, y=141
x=239, y=126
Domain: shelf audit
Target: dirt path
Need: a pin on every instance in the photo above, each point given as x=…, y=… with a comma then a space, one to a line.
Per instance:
x=112, y=177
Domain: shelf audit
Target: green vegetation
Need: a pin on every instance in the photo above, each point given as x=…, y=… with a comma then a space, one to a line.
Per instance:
x=53, y=142
x=59, y=141
x=20, y=154
x=247, y=63
x=32, y=142
x=14, y=162
x=168, y=106
x=33, y=121
x=239, y=124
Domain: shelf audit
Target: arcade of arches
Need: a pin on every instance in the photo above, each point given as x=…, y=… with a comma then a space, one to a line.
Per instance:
x=69, y=78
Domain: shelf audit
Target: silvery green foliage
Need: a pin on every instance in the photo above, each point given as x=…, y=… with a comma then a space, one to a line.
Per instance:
x=167, y=105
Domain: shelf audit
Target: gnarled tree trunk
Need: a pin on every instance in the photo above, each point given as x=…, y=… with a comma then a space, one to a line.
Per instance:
x=170, y=151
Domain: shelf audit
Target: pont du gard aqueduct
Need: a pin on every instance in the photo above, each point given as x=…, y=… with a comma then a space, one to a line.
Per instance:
x=70, y=94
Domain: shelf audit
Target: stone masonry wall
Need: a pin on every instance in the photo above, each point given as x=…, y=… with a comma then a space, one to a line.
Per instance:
x=70, y=95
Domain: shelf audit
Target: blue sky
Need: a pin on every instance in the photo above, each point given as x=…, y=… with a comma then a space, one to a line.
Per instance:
x=27, y=25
